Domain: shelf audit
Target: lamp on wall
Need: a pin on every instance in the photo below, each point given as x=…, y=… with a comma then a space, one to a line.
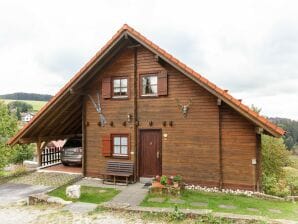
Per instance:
x=129, y=118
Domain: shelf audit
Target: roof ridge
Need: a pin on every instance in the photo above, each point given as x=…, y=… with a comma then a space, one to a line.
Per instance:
x=209, y=83
x=126, y=28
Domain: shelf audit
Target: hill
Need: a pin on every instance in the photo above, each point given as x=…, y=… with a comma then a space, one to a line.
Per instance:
x=291, y=126
x=37, y=105
x=26, y=96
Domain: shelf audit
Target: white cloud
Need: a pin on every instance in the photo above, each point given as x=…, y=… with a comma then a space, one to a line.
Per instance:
x=249, y=47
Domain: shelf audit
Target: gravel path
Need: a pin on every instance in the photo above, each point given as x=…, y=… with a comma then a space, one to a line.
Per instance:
x=52, y=214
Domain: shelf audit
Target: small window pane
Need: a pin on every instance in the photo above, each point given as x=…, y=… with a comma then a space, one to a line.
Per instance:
x=123, y=82
x=124, y=91
x=124, y=150
x=153, y=80
x=124, y=141
x=116, y=82
x=117, y=149
x=149, y=85
x=154, y=89
x=116, y=140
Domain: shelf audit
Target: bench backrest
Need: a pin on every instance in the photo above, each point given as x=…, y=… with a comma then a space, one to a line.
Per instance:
x=120, y=167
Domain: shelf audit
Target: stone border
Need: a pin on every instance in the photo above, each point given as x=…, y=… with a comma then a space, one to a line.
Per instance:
x=238, y=192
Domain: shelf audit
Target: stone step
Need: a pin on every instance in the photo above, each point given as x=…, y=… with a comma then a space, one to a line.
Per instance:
x=145, y=180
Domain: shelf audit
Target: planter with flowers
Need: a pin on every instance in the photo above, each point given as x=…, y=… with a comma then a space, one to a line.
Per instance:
x=166, y=185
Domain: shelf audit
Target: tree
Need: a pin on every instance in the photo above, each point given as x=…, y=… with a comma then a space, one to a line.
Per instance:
x=19, y=107
x=274, y=158
x=8, y=127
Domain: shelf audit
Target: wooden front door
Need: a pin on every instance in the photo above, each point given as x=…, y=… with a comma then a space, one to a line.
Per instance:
x=150, y=153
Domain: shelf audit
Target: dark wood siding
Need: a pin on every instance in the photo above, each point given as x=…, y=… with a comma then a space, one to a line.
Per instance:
x=191, y=146
x=239, y=142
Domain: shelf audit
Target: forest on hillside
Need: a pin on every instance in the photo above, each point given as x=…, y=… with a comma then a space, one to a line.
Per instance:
x=291, y=126
x=26, y=96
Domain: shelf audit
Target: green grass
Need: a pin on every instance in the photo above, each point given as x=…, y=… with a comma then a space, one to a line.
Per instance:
x=94, y=195
x=37, y=105
x=288, y=210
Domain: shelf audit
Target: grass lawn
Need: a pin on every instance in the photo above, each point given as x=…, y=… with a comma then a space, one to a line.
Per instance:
x=244, y=205
x=37, y=105
x=94, y=195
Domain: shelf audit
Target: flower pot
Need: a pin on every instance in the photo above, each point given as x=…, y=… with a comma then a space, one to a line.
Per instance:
x=176, y=184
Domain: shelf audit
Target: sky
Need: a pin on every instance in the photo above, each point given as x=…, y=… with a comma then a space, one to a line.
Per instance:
x=247, y=47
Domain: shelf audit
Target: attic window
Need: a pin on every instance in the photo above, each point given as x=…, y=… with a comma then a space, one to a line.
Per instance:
x=149, y=85
x=120, y=87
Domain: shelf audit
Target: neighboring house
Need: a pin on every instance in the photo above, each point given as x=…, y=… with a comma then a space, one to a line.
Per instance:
x=160, y=114
x=26, y=116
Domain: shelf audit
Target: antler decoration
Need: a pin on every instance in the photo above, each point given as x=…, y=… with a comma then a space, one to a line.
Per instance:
x=97, y=106
x=184, y=108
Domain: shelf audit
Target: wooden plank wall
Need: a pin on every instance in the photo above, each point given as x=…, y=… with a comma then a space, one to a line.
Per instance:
x=192, y=144
x=239, y=141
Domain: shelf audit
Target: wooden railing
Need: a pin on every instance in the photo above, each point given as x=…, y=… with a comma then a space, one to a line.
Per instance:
x=50, y=156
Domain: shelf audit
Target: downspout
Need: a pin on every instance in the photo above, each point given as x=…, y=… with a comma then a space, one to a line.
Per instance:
x=219, y=104
x=84, y=135
x=135, y=117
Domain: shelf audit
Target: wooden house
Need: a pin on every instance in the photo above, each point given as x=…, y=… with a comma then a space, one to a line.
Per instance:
x=135, y=102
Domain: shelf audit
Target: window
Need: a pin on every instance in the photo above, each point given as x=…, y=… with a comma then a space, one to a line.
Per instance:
x=120, y=87
x=149, y=85
x=120, y=145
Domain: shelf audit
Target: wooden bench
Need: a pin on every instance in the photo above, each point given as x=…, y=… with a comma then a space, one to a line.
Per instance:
x=118, y=169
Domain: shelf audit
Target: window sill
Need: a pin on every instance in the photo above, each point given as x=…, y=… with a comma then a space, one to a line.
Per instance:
x=149, y=96
x=117, y=156
x=120, y=97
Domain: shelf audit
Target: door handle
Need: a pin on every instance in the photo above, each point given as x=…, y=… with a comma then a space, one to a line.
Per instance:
x=157, y=154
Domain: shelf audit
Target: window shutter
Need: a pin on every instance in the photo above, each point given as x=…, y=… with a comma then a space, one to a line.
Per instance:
x=162, y=83
x=106, y=88
x=106, y=146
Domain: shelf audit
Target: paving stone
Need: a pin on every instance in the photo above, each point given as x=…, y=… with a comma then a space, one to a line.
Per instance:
x=46, y=179
x=80, y=207
x=277, y=211
x=176, y=201
x=156, y=200
x=199, y=204
x=133, y=194
x=227, y=206
x=252, y=209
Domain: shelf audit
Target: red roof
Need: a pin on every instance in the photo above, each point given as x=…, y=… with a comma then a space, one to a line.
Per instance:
x=222, y=94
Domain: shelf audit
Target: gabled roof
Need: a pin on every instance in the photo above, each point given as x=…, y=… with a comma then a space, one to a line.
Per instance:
x=125, y=31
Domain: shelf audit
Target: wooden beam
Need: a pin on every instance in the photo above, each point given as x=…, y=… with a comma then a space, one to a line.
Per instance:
x=219, y=102
x=48, y=138
x=52, y=116
x=70, y=122
x=259, y=130
x=63, y=122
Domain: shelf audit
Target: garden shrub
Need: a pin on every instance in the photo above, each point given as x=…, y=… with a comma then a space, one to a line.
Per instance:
x=274, y=158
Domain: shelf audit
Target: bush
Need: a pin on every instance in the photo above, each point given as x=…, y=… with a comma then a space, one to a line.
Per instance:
x=164, y=180
x=22, y=152
x=274, y=158
x=292, y=179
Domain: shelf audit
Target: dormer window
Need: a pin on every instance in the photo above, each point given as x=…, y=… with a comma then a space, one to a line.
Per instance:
x=120, y=87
